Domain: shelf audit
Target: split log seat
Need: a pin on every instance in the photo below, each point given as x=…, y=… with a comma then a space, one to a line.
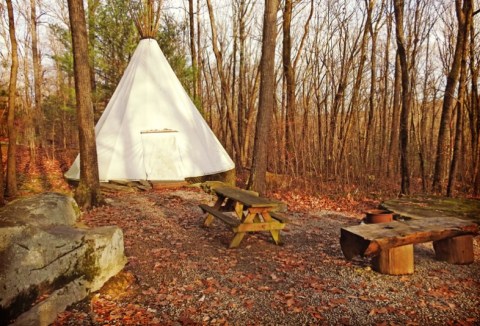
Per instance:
x=391, y=244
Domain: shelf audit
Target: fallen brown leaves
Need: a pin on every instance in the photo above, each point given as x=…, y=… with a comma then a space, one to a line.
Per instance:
x=180, y=273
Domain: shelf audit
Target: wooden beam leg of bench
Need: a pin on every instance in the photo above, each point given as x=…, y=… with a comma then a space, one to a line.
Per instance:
x=394, y=261
x=456, y=250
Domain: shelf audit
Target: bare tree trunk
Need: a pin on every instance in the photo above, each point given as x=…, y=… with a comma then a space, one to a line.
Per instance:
x=456, y=150
x=223, y=81
x=474, y=113
x=92, y=25
x=257, y=180
x=464, y=13
x=37, y=75
x=193, y=50
x=395, y=131
x=12, y=132
x=373, y=85
x=199, y=57
x=88, y=192
x=2, y=182
x=460, y=108
x=242, y=100
x=421, y=137
x=404, y=114
x=289, y=76
x=385, y=102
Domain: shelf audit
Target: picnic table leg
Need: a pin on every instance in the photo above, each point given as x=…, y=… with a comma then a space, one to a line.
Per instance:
x=237, y=239
x=239, y=210
x=239, y=235
x=209, y=219
x=275, y=233
x=275, y=236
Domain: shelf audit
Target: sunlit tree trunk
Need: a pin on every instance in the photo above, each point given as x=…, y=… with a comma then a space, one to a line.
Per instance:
x=394, y=128
x=88, y=192
x=193, y=50
x=405, y=111
x=460, y=106
x=474, y=113
x=92, y=24
x=2, y=182
x=12, y=90
x=242, y=97
x=386, y=98
x=369, y=132
x=37, y=75
x=226, y=96
x=199, y=57
x=289, y=77
x=463, y=12
x=257, y=180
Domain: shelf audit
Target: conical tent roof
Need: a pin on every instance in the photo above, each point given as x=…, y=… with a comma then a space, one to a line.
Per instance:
x=151, y=130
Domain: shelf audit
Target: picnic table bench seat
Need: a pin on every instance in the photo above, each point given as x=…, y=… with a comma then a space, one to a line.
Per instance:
x=391, y=244
x=279, y=217
x=231, y=221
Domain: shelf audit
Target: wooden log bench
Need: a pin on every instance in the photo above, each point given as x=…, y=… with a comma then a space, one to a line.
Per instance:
x=391, y=244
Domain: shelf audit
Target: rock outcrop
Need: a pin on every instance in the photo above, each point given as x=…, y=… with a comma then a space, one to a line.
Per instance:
x=44, y=255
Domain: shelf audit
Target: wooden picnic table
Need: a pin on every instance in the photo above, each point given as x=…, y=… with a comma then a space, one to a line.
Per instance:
x=251, y=213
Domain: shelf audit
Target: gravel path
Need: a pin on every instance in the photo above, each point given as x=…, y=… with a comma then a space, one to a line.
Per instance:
x=182, y=273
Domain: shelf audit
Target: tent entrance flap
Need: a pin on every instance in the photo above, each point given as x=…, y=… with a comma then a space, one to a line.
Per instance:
x=161, y=156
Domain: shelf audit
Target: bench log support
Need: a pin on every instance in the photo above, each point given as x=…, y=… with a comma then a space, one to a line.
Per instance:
x=456, y=250
x=395, y=261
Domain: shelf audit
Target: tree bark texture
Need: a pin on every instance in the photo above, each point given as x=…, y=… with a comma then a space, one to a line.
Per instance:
x=12, y=90
x=2, y=182
x=405, y=111
x=257, y=180
x=289, y=77
x=226, y=96
x=87, y=193
x=474, y=111
x=463, y=14
x=193, y=50
x=37, y=75
x=462, y=86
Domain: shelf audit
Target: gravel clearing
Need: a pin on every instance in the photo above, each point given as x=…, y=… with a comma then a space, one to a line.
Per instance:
x=182, y=273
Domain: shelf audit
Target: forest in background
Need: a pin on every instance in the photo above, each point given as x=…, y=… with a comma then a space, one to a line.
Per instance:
x=342, y=85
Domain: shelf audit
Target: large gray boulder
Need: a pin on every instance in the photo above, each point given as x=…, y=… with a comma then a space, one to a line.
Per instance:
x=43, y=253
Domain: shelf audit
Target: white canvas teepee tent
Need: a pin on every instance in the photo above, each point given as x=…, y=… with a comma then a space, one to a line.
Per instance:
x=151, y=130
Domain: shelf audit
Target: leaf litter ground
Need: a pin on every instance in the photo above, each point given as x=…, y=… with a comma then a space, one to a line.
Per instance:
x=180, y=273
